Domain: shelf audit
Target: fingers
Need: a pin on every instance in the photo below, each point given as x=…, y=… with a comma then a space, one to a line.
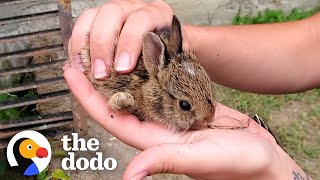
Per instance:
x=117, y=25
x=165, y=158
x=81, y=31
x=150, y=17
x=214, y=155
x=125, y=127
x=105, y=31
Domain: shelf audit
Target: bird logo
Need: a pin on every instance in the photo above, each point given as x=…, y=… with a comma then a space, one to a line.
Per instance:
x=29, y=152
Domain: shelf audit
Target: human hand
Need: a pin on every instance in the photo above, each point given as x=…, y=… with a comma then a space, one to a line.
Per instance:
x=117, y=23
x=205, y=154
x=251, y=153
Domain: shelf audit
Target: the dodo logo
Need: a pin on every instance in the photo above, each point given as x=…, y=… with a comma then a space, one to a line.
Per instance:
x=30, y=152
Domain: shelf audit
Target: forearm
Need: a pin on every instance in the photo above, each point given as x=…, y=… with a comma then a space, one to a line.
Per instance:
x=289, y=169
x=266, y=58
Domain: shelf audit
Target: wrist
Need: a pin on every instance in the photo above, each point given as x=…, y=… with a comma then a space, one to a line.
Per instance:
x=279, y=166
x=285, y=167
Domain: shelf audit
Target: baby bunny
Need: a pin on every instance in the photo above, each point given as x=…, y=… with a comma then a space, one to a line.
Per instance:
x=168, y=86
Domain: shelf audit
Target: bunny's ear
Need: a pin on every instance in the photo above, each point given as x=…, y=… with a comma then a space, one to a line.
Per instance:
x=172, y=38
x=153, y=53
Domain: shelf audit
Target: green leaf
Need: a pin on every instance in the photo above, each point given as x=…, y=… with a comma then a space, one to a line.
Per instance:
x=4, y=97
x=12, y=113
x=59, y=174
x=42, y=175
x=30, y=94
x=9, y=114
x=12, y=97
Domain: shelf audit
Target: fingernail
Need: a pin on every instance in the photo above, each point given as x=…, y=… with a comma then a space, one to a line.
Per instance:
x=123, y=62
x=140, y=176
x=99, y=69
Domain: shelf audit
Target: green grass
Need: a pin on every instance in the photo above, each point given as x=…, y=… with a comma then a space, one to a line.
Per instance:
x=301, y=139
x=299, y=133
x=272, y=16
x=264, y=105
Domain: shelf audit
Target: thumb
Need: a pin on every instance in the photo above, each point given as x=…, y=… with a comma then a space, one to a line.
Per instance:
x=164, y=158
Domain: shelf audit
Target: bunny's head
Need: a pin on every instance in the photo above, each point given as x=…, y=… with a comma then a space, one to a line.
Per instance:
x=179, y=88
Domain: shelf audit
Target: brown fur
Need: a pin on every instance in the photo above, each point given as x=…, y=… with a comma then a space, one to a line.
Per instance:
x=164, y=75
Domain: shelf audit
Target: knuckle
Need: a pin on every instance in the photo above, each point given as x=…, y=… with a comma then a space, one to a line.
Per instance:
x=102, y=38
x=98, y=44
x=88, y=12
x=84, y=19
x=101, y=44
x=113, y=7
x=164, y=6
x=143, y=12
x=141, y=15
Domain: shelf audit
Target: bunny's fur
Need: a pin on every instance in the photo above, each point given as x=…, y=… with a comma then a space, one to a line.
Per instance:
x=163, y=78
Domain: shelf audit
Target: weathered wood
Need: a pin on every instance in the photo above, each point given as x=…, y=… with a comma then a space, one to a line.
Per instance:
x=19, y=8
x=5, y=135
x=31, y=68
x=39, y=99
x=30, y=53
x=32, y=85
x=33, y=29
x=30, y=41
x=42, y=22
x=66, y=23
x=35, y=120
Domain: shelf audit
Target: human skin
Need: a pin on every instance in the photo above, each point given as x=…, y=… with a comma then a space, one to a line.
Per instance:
x=248, y=61
x=249, y=153
x=267, y=58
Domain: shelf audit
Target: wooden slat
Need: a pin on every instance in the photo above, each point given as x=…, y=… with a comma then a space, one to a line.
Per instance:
x=11, y=8
x=31, y=68
x=27, y=17
x=32, y=52
x=27, y=121
x=32, y=85
x=3, y=144
x=30, y=41
x=66, y=23
x=13, y=27
x=39, y=99
x=5, y=135
x=28, y=26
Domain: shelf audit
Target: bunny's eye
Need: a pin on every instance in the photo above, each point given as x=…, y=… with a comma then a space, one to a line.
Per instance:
x=184, y=105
